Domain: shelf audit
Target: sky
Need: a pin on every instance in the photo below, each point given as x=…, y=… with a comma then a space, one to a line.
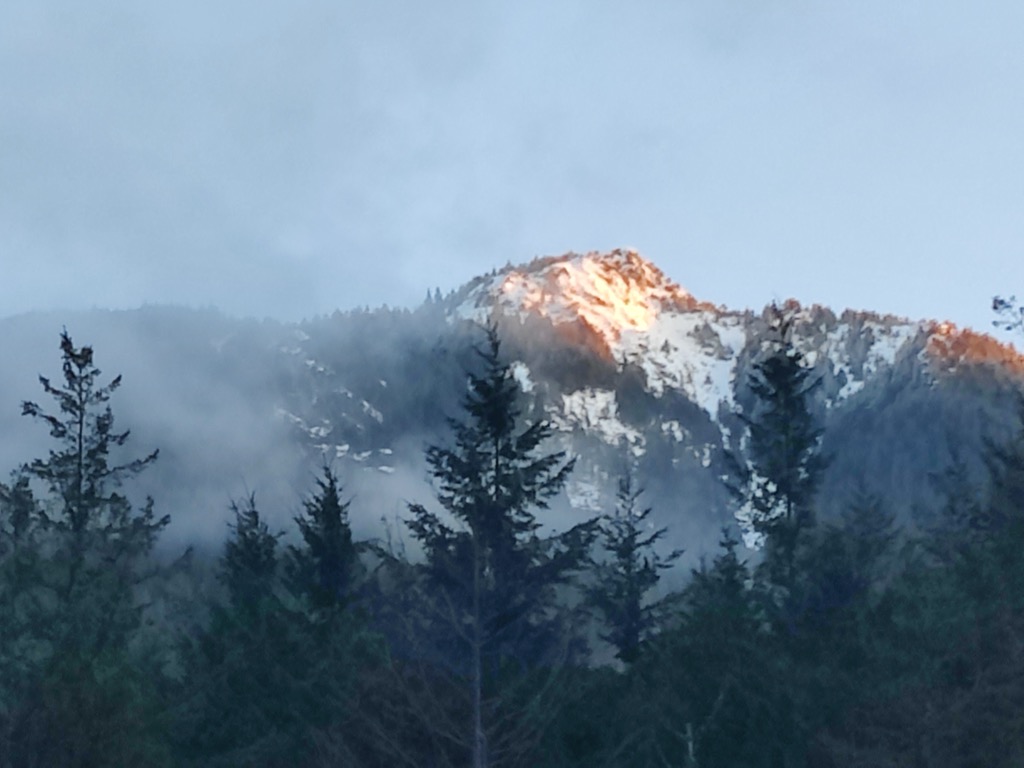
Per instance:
x=287, y=159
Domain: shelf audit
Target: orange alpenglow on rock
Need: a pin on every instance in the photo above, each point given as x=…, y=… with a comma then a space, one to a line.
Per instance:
x=953, y=346
x=613, y=293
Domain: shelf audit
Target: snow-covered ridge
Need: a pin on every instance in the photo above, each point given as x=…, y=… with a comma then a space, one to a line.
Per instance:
x=642, y=318
x=611, y=293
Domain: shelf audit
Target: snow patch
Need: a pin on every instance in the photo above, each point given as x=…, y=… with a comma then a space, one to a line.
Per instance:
x=886, y=342
x=373, y=412
x=584, y=495
x=596, y=412
x=522, y=376
x=673, y=429
x=694, y=352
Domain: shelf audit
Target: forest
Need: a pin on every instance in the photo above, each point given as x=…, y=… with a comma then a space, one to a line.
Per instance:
x=852, y=641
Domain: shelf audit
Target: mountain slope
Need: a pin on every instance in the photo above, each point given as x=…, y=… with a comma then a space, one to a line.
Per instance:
x=634, y=372
x=894, y=395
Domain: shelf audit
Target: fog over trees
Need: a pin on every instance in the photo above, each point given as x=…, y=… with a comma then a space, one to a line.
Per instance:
x=480, y=624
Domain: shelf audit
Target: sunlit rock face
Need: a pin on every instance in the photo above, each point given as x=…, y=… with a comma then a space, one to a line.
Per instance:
x=632, y=371
x=613, y=293
x=628, y=311
x=635, y=371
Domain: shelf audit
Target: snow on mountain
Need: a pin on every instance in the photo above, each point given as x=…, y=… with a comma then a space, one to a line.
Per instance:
x=611, y=293
x=595, y=411
x=638, y=314
x=692, y=351
x=632, y=315
x=640, y=317
x=632, y=370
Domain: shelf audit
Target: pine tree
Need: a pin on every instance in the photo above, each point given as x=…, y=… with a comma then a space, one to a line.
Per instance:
x=709, y=692
x=779, y=483
x=491, y=575
x=1004, y=508
x=88, y=696
x=24, y=617
x=621, y=584
x=249, y=565
x=79, y=473
x=276, y=668
x=242, y=671
x=323, y=570
x=328, y=581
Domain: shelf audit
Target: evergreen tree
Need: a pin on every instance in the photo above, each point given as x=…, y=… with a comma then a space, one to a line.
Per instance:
x=621, y=584
x=24, y=618
x=243, y=671
x=779, y=482
x=249, y=565
x=1002, y=512
x=328, y=580
x=323, y=570
x=19, y=514
x=78, y=473
x=80, y=553
x=833, y=642
x=709, y=689
x=276, y=669
x=491, y=576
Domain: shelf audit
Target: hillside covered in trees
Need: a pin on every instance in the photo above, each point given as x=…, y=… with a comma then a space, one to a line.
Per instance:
x=473, y=632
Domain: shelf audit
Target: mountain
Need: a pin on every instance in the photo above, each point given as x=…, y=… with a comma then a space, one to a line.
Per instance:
x=668, y=375
x=634, y=372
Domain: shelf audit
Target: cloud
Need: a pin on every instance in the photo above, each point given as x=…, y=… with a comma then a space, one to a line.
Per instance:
x=288, y=160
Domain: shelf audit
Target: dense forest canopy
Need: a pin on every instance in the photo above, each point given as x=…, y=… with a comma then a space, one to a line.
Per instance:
x=474, y=635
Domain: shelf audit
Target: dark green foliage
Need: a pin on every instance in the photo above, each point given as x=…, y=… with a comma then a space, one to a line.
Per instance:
x=490, y=578
x=96, y=542
x=621, y=583
x=779, y=484
x=853, y=644
x=245, y=672
x=490, y=483
x=1004, y=508
x=20, y=514
x=323, y=569
x=79, y=472
x=717, y=699
x=249, y=565
x=277, y=667
x=590, y=728
x=938, y=677
x=25, y=616
x=77, y=691
x=328, y=579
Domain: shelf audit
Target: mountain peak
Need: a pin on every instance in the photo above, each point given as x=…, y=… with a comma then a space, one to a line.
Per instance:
x=611, y=293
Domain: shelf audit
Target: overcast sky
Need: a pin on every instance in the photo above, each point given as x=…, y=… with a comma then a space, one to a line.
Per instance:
x=286, y=159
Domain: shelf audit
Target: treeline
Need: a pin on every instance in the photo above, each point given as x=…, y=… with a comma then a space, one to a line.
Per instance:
x=848, y=642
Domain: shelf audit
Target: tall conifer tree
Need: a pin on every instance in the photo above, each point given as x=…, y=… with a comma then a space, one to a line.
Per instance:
x=781, y=478
x=491, y=574
x=245, y=671
x=632, y=569
x=88, y=700
x=323, y=568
